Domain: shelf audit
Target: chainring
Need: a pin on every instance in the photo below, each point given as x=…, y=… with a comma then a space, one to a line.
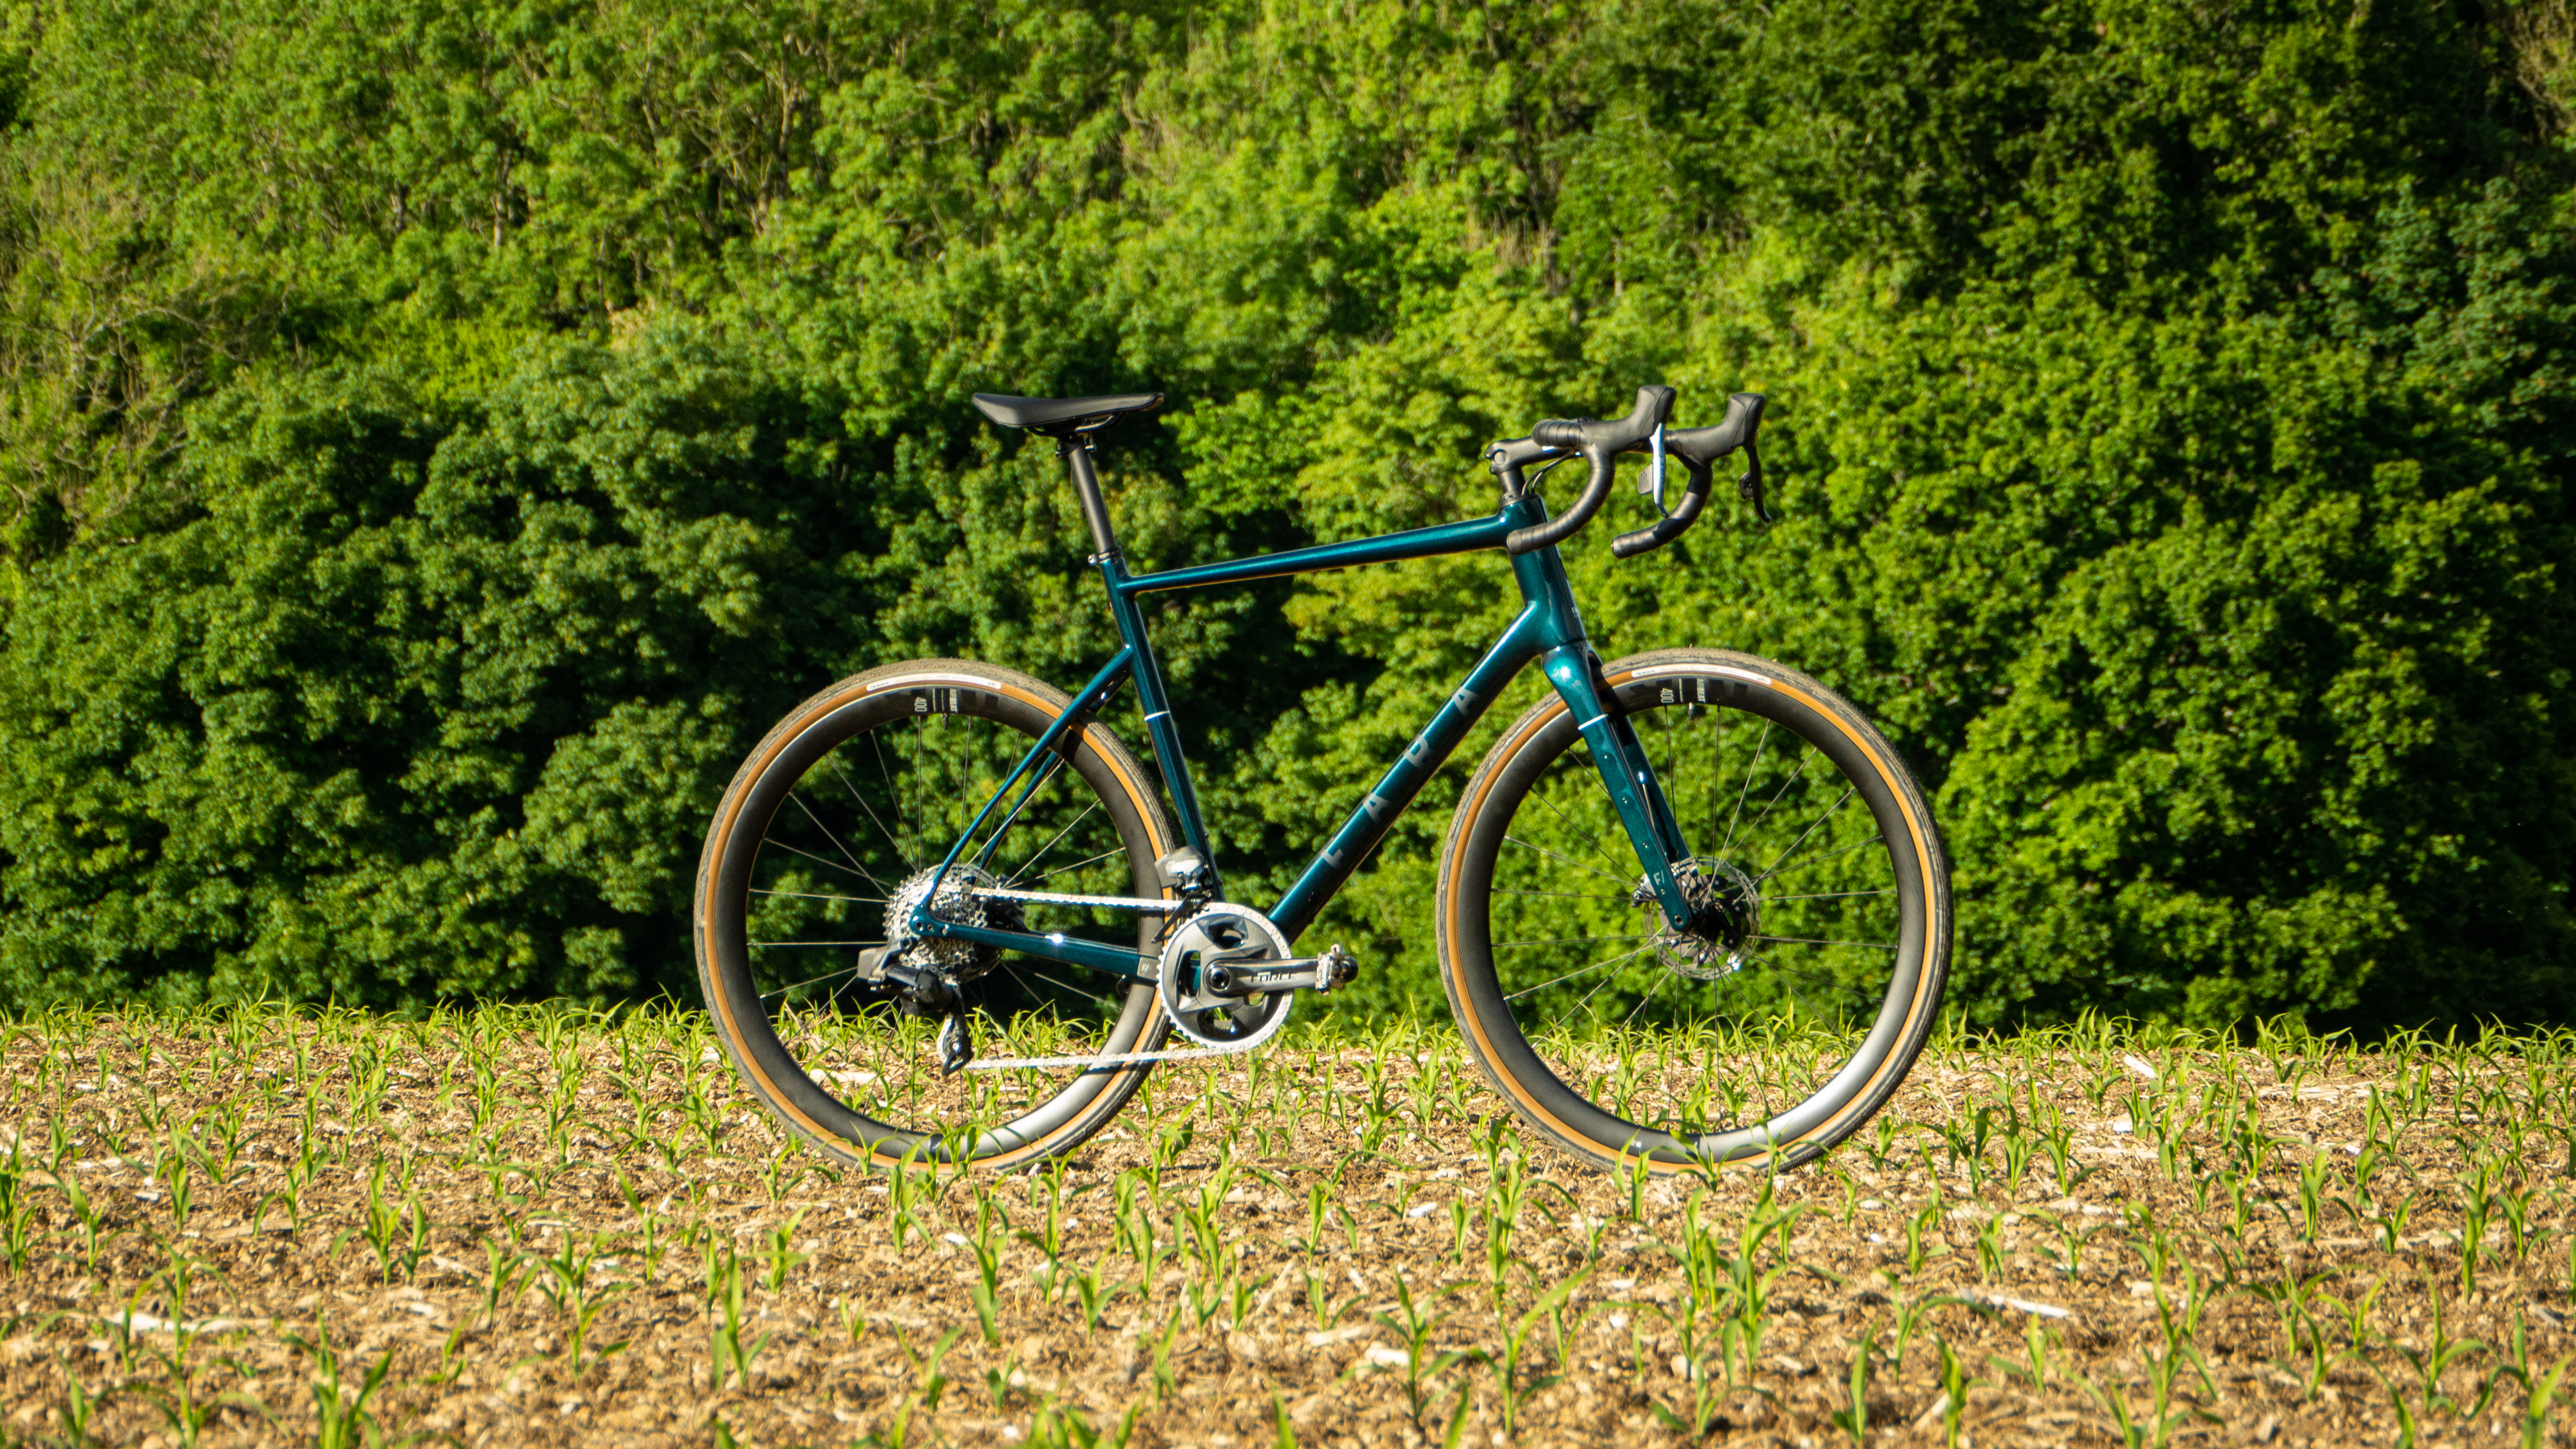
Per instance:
x=1235, y=936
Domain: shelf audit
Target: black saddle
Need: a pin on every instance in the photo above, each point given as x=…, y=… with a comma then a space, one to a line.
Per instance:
x=1057, y=417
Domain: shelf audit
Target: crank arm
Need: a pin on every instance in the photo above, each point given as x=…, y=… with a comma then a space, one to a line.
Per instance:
x=1319, y=974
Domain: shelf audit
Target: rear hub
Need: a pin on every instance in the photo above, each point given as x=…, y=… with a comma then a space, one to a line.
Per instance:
x=924, y=972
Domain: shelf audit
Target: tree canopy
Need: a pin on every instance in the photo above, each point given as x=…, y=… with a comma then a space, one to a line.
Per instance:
x=442, y=438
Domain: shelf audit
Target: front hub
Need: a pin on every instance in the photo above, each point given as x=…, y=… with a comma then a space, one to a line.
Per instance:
x=1726, y=915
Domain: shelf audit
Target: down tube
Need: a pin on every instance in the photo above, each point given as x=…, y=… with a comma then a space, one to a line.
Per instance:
x=1377, y=812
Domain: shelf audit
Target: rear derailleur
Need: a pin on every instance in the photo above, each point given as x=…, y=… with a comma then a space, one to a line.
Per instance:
x=922, y=989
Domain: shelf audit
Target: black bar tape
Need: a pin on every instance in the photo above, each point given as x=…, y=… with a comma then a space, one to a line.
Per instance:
x=1664, y=530
x=1601, y=441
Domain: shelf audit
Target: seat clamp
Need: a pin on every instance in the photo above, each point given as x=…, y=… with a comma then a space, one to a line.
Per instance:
x=1097, y=559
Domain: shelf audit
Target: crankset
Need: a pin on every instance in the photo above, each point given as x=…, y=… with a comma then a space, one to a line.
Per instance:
x=1208, y=962
x=1225, y=979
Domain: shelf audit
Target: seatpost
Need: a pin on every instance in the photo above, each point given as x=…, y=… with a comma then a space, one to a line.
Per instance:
x=1075, y=449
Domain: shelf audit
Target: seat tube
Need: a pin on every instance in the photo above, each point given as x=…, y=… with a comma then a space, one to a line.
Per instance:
x=1156, y=702
x=1075, y=449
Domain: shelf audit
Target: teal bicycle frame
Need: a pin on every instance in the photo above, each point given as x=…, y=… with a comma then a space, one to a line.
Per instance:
x=1549, y=629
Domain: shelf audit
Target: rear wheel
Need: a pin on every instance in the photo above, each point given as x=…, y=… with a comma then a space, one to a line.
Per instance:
x=1790, y=1011
x=829, y=833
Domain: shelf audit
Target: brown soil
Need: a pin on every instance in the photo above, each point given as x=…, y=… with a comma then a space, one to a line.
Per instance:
x=561, y=1210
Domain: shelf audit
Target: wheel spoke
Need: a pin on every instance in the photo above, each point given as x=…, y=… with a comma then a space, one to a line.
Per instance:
x=1672, y=760
x=1552, y=855
x=821, y=859
x=894, y=798
x=1583, y=971
x=1014, y=968
x=815, y=896
x=1078, y=865
x=1758, y=750
x=850, y=970
x=901, y=854
x=1802, y=840
x=1661, y=981
x=1585, y=1005
x=1046, y=777
x=799, y=797
x=1589, y=838
x=1774, y=801
x=1803, y=835
x=1051, y=844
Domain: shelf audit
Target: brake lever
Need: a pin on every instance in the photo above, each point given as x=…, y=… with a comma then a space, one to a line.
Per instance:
x=1749, y=487
x=1652, y=482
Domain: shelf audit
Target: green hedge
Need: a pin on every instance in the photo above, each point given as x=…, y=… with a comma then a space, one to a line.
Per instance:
x=444, y=437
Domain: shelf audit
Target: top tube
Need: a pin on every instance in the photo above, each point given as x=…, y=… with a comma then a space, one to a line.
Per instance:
x=1466, y=536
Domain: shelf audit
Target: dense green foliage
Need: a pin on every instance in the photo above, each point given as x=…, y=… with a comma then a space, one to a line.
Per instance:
x=443, y=437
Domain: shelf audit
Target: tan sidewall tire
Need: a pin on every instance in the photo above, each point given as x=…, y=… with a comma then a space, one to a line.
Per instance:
x=743, y=1027
x=1491, y=1033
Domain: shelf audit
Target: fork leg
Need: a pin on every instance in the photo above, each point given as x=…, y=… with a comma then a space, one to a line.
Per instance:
x=1639, y=798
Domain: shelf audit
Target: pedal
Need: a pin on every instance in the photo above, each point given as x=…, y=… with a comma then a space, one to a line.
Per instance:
x=1335, y=969
x=955, y=1048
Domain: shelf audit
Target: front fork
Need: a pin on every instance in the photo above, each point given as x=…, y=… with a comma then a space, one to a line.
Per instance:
x=1647, y=816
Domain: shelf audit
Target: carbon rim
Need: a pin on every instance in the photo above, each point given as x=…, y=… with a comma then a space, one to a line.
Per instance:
x=861, y=791
x=1619, y=1039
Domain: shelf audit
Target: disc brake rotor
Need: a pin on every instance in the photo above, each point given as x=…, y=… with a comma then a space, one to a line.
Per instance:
x=1726, y=914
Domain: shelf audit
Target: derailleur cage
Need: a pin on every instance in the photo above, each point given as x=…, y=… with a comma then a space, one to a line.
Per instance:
x=956, y=1046
x=923, y=990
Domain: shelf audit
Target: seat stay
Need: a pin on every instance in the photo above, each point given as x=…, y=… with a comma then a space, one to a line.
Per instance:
x=1081, y=704
x=1154, y=701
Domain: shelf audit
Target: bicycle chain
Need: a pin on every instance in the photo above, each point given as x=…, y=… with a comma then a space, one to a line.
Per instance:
x=1121, y=1059
x=1269, y=1029
x=1140, y=904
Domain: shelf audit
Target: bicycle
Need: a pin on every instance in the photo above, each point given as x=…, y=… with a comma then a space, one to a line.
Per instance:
x=942, y=911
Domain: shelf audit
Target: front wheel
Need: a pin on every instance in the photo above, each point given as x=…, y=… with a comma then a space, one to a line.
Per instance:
x=1790, y=1012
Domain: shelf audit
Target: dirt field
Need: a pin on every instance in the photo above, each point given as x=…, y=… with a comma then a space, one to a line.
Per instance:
x=517, y=1226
